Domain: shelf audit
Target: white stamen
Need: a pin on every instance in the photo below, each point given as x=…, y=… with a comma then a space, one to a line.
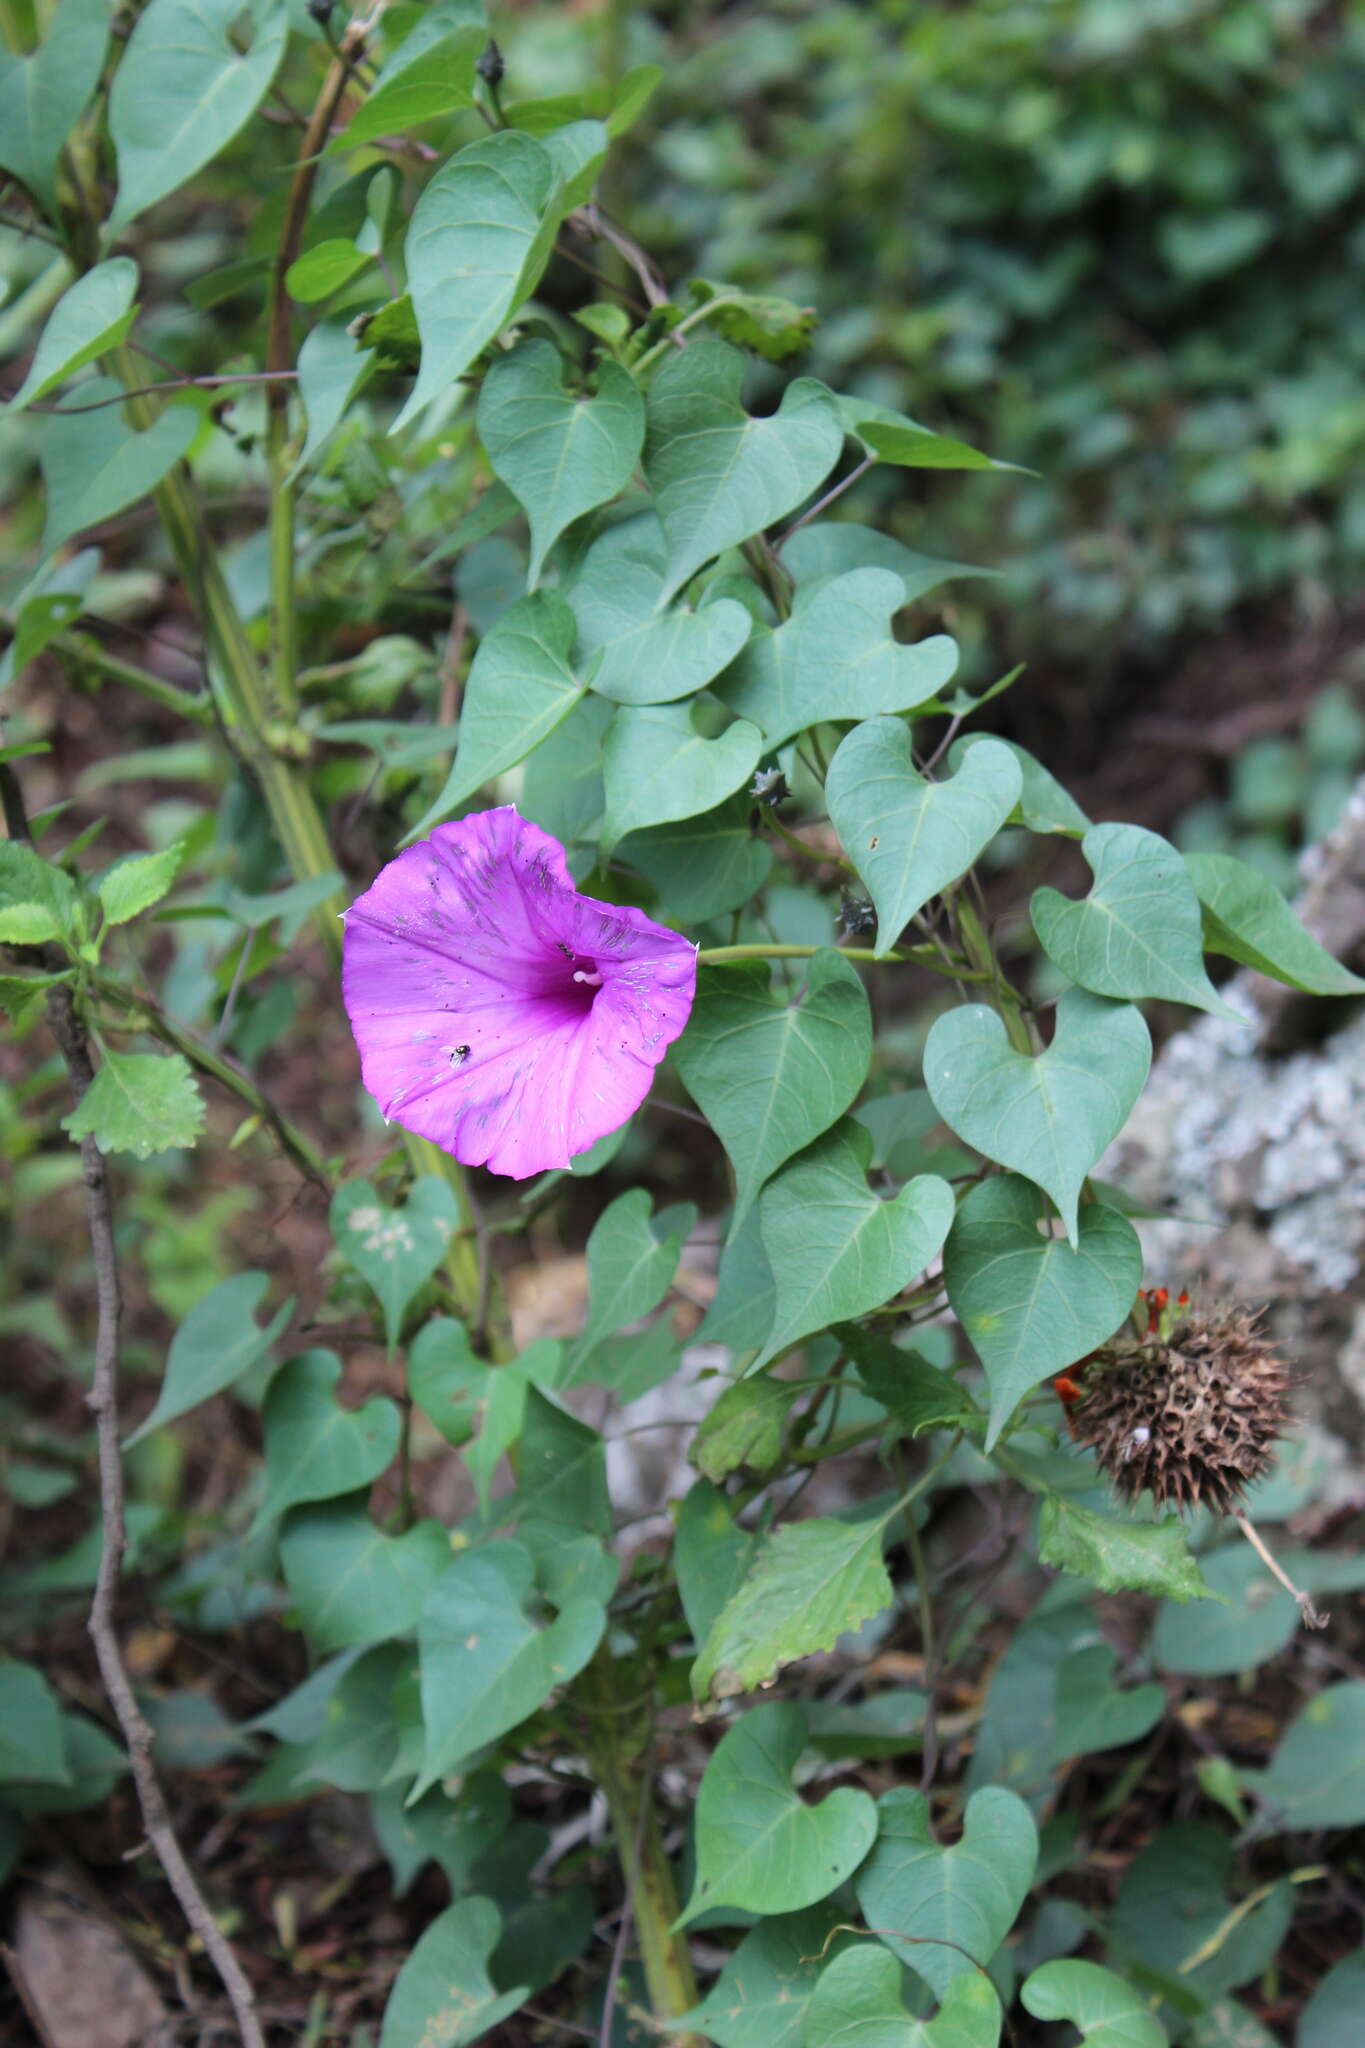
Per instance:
x=588, y=980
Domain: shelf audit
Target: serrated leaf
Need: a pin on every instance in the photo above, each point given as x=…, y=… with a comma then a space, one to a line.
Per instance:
x=858, y=2004
x=559, y=454
x=1030, y=1304
x=139, y=1102
x=184, y=87
x=314, y=1448
x=915, y=1394
x=907, y=837
x=443, y=1997
x=37, y=899
x=1119, y=1556
x=475, y=248
x=92, y=316
x=485, y=1665
x=812, y=1582
x=945, y=1912
x=746, y=1427
x=638, y=652
x=42, y=95
x=759, y=1846
x=837, y=658
x=771, y=1075
x=702, y=866
x=22, y=994
x=1247, y=919
x=658, y=767
x=1138, y=932
x=395, y=1251
x=762, y=1996
x=135, y=884
x=718, y=475
x=835, y=1249
x=350, y=1581
x=1052, y=1116
x=521, y=686
x=1108, y=2012
x=94, y=465
x=1043, y=806
x=216, y=1343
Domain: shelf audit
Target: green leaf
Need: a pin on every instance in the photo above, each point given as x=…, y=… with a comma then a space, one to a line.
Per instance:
x=559, y=454
x=894, y=438
x=1119, y=1556
x=745, y=1301
x=1138, y=931
x=1316, y=1778
x=1258, y=1618
x=759, y=1846
x=47, y=605
x=837, y=657
x=831, y=547
x=858, y=2004
x=762, y=1996
x=644, y=654
x=32, y=1727
x=92, y=316
x=630, y=1270
x=1051, y=1117
x=217, y=1342
x=37, y=900
x=443, y=1997
x=1173, y=1905
x=946, y=1911
x=1226, y=2024
x=1030, y=1304
x=184, y=87
x=486, y=1666
x=418, y=86
x=440, y=1831
x=520, y=687
x=139, y=1102
x=43, y=95
x=95, y=465
x=702, y=866
x=746, y=1427
x=771, y=327
x=1246, y=918
x=1331, y=2018
x=909, y=838
x=350, y=1582
x=475, y=248
x=1093, y=1713
x=719, y=476
x=332, y=369
x=771, y=1075
x=314, y=1448
x=837, y=1251
x=135, y=884
x=658, y=767
x=711, y=1556
x=915, y=1394
x=447, y=1379
x=395, y=1251
x=812, y=1583
x=562, y=1471
x=1043, y=806
x=1109, y=2013
x=357, y=1745
x=324, y=269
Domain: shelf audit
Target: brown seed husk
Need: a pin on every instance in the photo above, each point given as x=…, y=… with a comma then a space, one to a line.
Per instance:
x=1192, y=1418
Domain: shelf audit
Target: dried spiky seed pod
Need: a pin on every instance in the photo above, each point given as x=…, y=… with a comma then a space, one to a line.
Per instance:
x=1190, y=1415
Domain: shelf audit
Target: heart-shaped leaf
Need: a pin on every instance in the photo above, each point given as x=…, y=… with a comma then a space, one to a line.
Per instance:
x=630, y=1266
x=94, y=465
x=907, y=837
x=1138, y=932
x=858, y=2004
x=559, y=454
x=1316, y=1778
x=813, y=1582
x=443, y=1996
x=486, y=1666
x=215, y=1344
x=836, y=657
x=1051, y=1117
x=717, y=475
x=1029, y=1303
x=637, y=653
x=350, y=1582
x=193, y=73
x=92, y=316
x=831, y=547
x=659, y=767
x=759, y=1846
x=315, y=1448
x=761, y=1997
x=480, y=235
x=702, y=866
x=946, y=1911
x=1246, y=918
x=394, y=1250
x=1092, y=1712
x=771, y=1075
x=1044, y=806
x=521, y=686
x=836, y=1250
x=42, y=95
x=1109, y=2013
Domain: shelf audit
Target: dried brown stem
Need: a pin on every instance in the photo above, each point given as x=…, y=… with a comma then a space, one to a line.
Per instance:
x=1309, y=1615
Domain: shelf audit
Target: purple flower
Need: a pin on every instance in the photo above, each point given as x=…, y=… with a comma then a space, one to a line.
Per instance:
x=498, y=1012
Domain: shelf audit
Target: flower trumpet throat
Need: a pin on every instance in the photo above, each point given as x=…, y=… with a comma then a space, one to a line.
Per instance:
x=1189, y=1410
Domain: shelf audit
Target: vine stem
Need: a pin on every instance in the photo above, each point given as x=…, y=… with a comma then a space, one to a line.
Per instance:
x=921, y=956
